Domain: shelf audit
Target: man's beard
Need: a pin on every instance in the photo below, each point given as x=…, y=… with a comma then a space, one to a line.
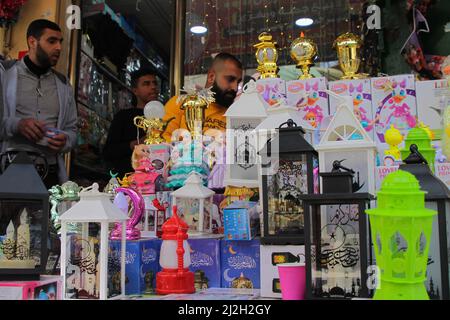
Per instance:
x=43, y=58
x=223, y=98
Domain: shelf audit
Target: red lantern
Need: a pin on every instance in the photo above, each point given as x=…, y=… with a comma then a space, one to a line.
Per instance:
x=175, y=259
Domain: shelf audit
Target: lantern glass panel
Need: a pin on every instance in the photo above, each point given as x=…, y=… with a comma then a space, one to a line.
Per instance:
x=245, y=149
x=335, y=251
x=433, y=283
x=21, y=234
x=189, y=211
x=285, y=210
x=83, y=256
x=316, y=177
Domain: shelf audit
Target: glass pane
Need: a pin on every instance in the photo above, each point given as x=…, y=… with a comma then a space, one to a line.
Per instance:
x=433, y=283
x=114, y=268
x=82, y=270
x=20, y=234
x=285, y=209
x=336, y=266
x=189, y=210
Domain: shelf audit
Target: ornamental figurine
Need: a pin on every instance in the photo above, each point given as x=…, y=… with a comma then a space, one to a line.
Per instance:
x=152, y=123
x=194, y=103
x=304, y=52
x=267, y=56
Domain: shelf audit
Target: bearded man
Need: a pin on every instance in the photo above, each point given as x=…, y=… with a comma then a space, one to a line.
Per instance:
x=224, y=77
x=38, y=112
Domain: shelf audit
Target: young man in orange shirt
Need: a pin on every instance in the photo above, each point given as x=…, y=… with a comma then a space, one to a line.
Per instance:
x=223, y=78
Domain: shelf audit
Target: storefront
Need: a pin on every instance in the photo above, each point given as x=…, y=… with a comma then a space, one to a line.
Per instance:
x=330, y=99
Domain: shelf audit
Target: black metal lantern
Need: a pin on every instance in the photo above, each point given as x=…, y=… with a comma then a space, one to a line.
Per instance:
x=337, y=238
x=24, y=218
x=289, y=168
x=437, y=198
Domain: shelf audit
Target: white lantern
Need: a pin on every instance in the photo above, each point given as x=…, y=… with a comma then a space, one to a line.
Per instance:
x=194, y=202
x=276, y=116
x=89, y=268
x=346, y=139
x=153, y=208
x=242, y=119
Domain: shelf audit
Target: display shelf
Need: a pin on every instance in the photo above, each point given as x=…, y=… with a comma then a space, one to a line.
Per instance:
x=109, y=121
x=104, y=70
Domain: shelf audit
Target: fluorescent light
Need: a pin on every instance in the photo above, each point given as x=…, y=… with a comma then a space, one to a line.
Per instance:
x=304, y=22
x=199, y=29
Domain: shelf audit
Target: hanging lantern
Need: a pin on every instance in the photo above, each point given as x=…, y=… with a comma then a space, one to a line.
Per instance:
x=89, y=268
x=345, y=138
x=337, y=245
x=175, y=259
x=401, y=229
x=267, y=56
x=289, y=169
x=242, y=118
x=194, y=202
x=437, y=198
x=24, y=218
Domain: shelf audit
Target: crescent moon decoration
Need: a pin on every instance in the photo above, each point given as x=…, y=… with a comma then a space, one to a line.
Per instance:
x=230, y=249
x=226, y=276
x=138, y=210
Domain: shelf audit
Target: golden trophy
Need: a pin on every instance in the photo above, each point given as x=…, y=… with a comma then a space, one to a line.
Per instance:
x=194, y=103
x=303, y=52
x=348, y=46
x=267, y=56
x=152, y=123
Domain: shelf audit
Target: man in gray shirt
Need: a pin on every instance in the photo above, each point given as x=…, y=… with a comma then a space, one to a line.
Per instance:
x=37, y=108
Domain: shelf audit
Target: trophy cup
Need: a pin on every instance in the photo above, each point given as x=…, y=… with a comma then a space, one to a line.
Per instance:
x=348, y=46
x=267, y=56
x=194, y=103
x=303, y=52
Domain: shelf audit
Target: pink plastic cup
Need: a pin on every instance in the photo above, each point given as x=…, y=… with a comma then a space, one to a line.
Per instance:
x=292, y=281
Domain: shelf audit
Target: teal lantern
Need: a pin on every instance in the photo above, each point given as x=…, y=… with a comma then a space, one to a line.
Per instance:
x=401, y=233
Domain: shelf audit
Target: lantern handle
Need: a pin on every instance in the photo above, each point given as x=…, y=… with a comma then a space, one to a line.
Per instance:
x=290, y=124
x=250, y=87
x=94, y=188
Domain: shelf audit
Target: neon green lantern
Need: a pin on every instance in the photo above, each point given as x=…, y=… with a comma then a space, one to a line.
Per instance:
x=401, y=232
x=421, y=138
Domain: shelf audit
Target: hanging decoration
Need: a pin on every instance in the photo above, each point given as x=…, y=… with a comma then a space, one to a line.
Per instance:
x=9, y=11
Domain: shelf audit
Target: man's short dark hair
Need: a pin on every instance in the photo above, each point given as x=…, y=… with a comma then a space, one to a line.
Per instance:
x=136, y=75
x=224, y=56
x=37, y=27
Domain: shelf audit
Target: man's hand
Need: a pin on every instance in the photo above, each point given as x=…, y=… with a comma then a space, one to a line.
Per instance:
x=31, y=129
x=57, y=143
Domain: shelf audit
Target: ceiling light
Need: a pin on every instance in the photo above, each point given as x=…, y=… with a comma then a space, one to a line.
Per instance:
x=304, y=22
x=199, y=29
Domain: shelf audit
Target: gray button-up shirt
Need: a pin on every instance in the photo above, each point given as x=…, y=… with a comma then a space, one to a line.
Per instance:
x=37, y=98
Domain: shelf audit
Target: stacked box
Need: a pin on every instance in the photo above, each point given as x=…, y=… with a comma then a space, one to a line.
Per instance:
x=361, y=92
x=205, y=262
x=271, y=256
x=311, y=100
x=272, y=90
x=240, y=266
x=394, y=103
x=160, y=156
x=142, y=264
x=241, y=220
x=47, y=288
x=432, y=99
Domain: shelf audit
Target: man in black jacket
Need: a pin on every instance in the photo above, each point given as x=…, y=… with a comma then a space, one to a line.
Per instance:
x=122, y=136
